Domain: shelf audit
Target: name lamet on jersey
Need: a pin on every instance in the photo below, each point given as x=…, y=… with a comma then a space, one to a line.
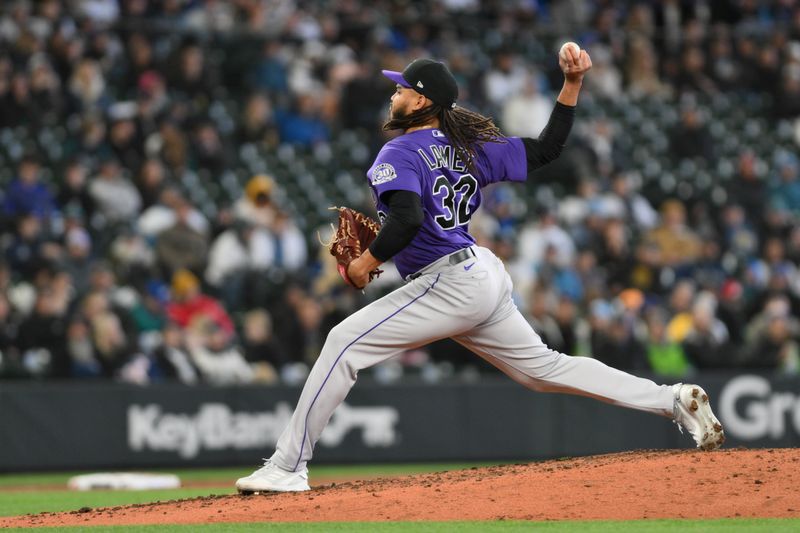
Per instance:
x=442, y=156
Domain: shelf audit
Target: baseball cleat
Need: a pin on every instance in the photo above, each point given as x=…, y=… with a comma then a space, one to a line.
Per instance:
x=692, y=411
x=272, y=478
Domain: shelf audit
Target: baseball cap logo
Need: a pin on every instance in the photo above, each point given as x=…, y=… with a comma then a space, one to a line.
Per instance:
x=419, y=84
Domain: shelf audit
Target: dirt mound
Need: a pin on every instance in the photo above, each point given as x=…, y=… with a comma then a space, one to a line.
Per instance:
x=633, y=485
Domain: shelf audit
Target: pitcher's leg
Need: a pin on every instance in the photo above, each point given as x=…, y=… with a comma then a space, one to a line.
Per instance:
x=411, y=316
x=516, y=349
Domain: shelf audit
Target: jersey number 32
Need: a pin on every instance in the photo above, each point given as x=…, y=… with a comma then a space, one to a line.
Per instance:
x=455, y=200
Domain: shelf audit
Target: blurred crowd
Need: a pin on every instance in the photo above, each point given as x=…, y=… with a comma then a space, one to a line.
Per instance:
x=135, y=245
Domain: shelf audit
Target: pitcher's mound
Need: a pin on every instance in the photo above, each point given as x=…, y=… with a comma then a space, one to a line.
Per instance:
x=633, y=485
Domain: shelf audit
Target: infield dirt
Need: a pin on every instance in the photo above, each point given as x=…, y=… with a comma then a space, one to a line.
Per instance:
x=632, y=485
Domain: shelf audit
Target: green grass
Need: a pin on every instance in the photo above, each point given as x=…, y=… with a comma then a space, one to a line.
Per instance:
x=229, y=475
x=12, y=504
x=758, y=525
x=221, y=481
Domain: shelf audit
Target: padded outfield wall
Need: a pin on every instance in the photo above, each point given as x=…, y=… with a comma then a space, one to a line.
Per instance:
x=82, y=426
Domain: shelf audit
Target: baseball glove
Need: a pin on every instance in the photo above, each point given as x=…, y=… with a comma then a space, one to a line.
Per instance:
x=355, y=233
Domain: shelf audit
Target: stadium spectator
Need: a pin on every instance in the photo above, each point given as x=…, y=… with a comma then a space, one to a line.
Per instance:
x=236, y=255
x=259, y=341
x=526, y=112
x=45, y=90
x=535, y=239
x=270, y=73
x=189, y=79
x=140, y=60
x=76, y=260
x=615, y=254
x=189, y=304
x=117, y=199
x=149, y=312
x=73, y=196
x=90, y=143
x=302, y=324
x=691, y=139
x=672, y=243
x=784, y=189
x=642, y=70
x=767, y=69
x=171, y=145
x=26, y=195
x=626, y=201
x=83, y=362
x=739, y=237
x=28, y=249
x=360, y=102
x=123, y=137
x=706, y=342
x=290, y=250
x=18, y=106
x=152, y=100
x=506, y=79
x=692, y=76
x=612, y=341
x=210, y=153
x=566, y=315
x=725, y=70
x=748, y=189
x=772, y=337
x=42, y=336
x=540, y=317
x=787, y=102
x=303, y=125
x=150, y=181
x=163, y=214
x=181, y=246
x=257, y=122
x=87, y=88
x=256, y=204
x=679, y=306
x=600, y=137
x=606, y=79
x=219, y=361
x=112, y=346
x=665, y=357
x=170, y=360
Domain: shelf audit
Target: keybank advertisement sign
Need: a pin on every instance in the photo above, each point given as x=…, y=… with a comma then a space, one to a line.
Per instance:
x=750, y=409
x=215, y=426
x=755, y=410
x=79, y=426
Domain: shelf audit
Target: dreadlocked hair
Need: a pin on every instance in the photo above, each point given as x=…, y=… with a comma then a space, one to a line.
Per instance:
x=466, y=130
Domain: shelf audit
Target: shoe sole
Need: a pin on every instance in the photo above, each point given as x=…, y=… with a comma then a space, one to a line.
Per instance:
x=248, y=492
x=700, y=409
x=245, y=492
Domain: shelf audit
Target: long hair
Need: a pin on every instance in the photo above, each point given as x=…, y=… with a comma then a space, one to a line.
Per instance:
x=466, y=130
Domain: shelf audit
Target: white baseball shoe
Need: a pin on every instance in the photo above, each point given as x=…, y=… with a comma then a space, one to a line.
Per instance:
x=692, y=411
x=272, y=478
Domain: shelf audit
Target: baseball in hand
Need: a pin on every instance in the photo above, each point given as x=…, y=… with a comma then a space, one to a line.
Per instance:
x=565, y=55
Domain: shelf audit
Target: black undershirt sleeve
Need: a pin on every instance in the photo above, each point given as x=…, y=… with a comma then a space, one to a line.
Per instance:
x=551, y=141
x=404, y=221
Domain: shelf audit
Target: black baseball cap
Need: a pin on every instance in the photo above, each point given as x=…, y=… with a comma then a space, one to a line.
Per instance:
x=429, y=78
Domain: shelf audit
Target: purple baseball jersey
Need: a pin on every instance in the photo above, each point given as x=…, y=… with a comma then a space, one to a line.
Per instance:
x=424, y=162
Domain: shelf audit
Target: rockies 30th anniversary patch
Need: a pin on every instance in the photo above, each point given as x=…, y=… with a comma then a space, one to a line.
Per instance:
x=383, y=173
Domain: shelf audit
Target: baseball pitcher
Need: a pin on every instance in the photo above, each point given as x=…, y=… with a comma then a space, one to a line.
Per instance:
x=426, y=185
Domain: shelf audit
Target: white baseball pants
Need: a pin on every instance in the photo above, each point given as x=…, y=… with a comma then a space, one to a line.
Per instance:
x=471, y=303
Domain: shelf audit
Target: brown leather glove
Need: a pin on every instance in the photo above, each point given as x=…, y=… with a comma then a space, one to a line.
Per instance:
x=355, y=233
